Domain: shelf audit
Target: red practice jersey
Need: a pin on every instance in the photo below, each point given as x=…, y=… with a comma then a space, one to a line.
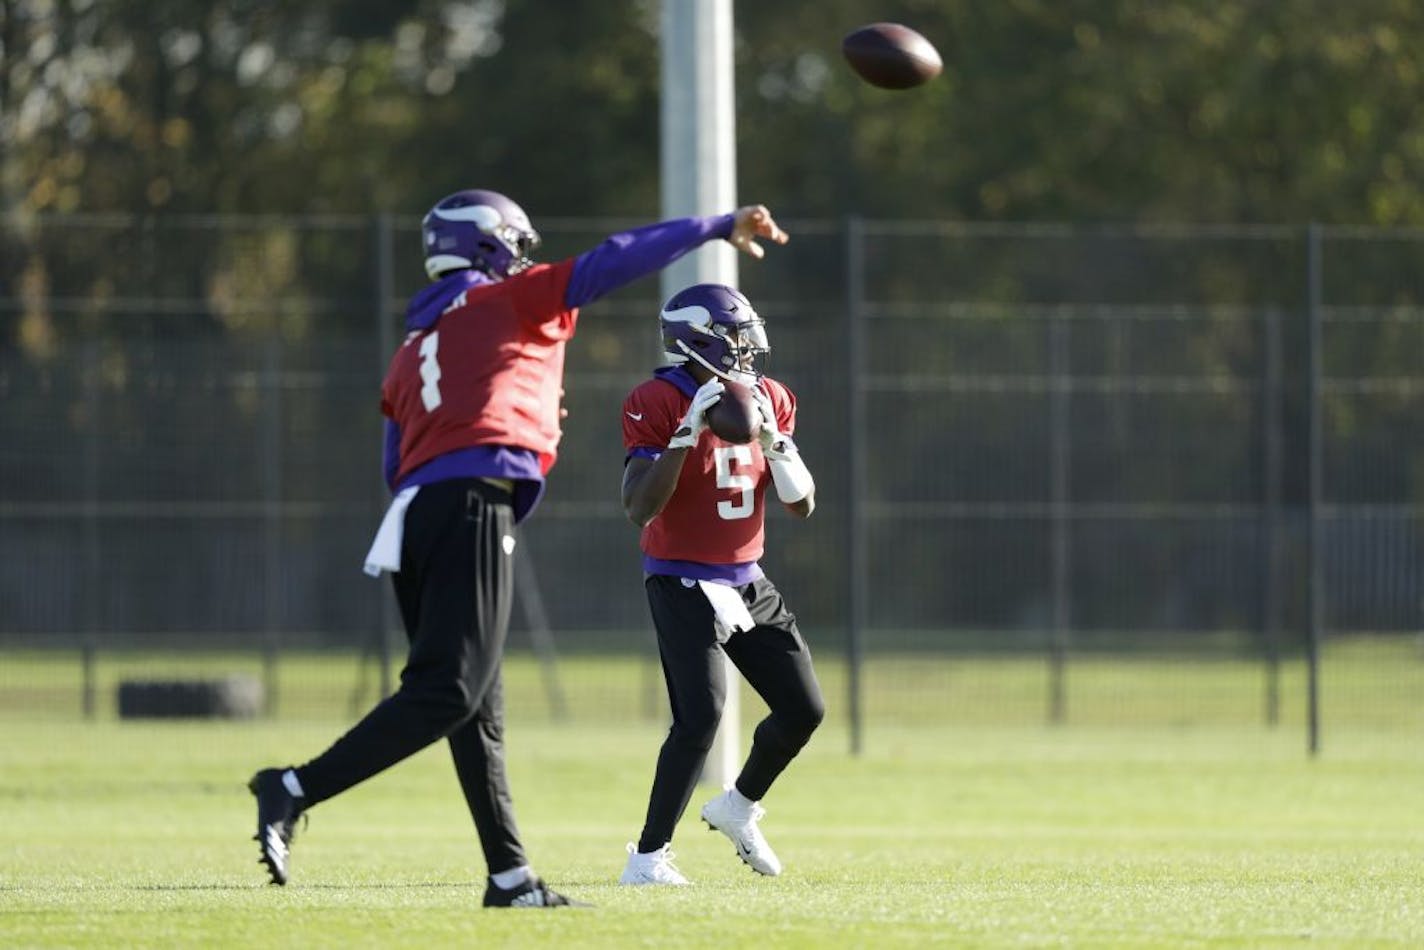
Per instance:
x=487, y=372
x=716, y=514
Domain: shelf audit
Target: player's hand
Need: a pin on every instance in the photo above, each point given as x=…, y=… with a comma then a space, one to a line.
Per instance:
x=696, y=419
x=752, y=222
x=774, y=445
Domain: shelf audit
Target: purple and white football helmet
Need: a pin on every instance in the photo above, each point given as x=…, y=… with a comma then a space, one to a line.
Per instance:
x=479, y=229
x=716, y=326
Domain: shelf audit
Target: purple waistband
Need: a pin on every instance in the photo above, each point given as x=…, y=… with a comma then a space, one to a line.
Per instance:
x=733, y=575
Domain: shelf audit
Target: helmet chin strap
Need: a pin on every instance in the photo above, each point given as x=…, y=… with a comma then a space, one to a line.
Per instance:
x=736, y=376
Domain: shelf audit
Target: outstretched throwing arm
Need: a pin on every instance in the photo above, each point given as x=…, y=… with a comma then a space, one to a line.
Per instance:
x=624, y=257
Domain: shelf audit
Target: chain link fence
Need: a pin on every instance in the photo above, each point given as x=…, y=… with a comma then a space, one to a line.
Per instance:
x=1065, y=473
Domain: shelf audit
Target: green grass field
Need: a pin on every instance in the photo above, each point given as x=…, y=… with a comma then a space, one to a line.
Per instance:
x=956, y=833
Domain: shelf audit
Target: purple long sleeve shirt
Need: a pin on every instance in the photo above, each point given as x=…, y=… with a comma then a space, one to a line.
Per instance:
x=621, y=259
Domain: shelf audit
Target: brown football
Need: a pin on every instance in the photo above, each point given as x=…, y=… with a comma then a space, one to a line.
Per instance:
x=734, y=418
x=891, y=55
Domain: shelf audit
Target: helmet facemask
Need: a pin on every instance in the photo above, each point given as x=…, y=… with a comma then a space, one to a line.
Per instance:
x=738, y=352
x=507, y=242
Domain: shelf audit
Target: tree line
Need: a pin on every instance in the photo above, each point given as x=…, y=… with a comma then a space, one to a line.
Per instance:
x=1119, y=110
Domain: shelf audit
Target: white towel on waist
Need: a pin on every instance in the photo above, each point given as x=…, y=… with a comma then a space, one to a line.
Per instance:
x=386, y=548
x=732, y=614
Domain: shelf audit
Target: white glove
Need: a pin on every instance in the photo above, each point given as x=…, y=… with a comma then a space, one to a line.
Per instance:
x=788, y=473
x=775, y=446
x=696, y=419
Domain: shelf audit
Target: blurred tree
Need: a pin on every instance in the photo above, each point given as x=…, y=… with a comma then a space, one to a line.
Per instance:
x=338, y=105
x=1124, y=110
x=1121, y=110
x=1112, y=109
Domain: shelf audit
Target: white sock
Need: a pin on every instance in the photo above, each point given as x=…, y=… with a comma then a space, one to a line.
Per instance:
x=738, y=800
x=505, y=880
x=293, y=786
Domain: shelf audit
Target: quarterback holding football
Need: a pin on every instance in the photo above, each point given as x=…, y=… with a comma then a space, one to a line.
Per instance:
x=700, y=501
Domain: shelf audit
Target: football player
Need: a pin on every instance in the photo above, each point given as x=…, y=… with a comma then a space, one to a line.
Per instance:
x=472, y=410
x=700, y=502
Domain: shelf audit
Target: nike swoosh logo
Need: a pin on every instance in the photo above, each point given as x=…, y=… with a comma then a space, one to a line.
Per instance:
x=636, y=416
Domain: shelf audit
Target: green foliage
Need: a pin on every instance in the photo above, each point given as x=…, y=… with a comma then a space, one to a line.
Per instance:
x=1232, y=111
x=330, y=105
x=1114, y=110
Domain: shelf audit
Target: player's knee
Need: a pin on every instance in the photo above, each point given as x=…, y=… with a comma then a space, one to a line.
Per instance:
x=697, y=728
x=813, y=715
x=798, y=722
x=446, y=704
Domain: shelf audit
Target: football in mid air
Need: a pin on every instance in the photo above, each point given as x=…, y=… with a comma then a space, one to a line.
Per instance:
x=734, y=418
x=891, y=55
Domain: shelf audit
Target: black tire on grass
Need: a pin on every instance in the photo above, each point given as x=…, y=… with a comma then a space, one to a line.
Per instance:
x=232, y=697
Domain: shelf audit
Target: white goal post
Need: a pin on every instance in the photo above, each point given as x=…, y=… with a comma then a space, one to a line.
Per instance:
x=699, y=176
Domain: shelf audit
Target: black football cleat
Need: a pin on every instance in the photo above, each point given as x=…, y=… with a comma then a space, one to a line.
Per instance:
x=532, y=893
x=277, y=814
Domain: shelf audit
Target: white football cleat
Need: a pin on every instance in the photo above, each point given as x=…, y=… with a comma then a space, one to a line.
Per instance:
x=740, y=824
x=655, y=867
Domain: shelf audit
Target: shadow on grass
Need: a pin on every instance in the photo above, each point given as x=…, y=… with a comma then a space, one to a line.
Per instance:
x=316, y=886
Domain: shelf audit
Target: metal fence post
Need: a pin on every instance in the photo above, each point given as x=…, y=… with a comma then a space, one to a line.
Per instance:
x=386, y=344
x=1060, y=547
x=270, y=437
x=1315, y=581
x=1271, y=511
x=93, y=563
x=856, y=559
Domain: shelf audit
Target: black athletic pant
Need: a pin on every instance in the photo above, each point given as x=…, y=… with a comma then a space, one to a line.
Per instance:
x=454, y=588
x=775, y=661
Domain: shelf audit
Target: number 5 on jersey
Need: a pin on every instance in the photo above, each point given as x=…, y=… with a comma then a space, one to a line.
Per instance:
x=744, y=503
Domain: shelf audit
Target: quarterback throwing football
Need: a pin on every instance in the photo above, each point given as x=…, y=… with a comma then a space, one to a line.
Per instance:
x=700, y=503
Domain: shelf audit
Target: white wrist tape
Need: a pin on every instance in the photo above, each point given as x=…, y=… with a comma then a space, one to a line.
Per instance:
x=792, y=479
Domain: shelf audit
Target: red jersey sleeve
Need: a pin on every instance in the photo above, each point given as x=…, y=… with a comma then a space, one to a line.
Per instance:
x=651, y=414
x=783, y=402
